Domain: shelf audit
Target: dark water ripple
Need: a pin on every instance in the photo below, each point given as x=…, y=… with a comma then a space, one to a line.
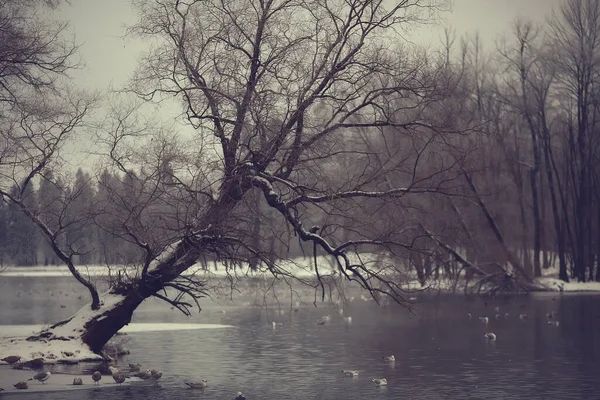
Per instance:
x=440, y=353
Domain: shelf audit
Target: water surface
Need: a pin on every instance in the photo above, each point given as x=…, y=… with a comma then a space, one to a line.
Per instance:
x=440, y=353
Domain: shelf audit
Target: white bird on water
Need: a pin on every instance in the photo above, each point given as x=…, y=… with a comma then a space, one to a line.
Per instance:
x=490, y=336
x=135, y=367
x=348, y=320
x=350, y=372
x=144, y=375
x=379, y=381
x=522, y=316
x=324, y=320
x=156, y=375
x=201, y=384
x=42, y=376
x=391, y=358
x=485, y=320
x=240, y=396
x=554, y=323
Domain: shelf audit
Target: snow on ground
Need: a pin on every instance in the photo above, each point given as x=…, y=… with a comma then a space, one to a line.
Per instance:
x=51, y=351
x=574, y=286
x=301, y=267
x=12, y=341
x=158, y=327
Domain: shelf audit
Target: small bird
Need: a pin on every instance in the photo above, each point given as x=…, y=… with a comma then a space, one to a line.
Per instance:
x=21, y=385
x=11, y=359
x=197, y=385
x=348, y=320
x=96, y=376
x=240, y=396
x=469, y=315
x=323, y=320
x=554, y=323
x=485, y=320
x=42, y=376
x=522, y=316
x=497, y=309
x=505, y=315
x=379, y=381
x=156, y=375
x=350, y=372
x=497, y=316
x=341, y=311
x=490, y=336
x=135, y=367
x=119, y=377
x=113, y=370
x=145, y=375
x=391, y=358
x=77, y=381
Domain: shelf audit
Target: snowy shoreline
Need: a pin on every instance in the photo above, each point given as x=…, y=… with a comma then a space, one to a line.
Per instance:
x=298, y=268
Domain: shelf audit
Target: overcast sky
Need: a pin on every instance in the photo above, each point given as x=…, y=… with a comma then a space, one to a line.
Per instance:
x=100, y=25
x=110, y=59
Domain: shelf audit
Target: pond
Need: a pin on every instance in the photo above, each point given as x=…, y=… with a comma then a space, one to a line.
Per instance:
x=440, y=353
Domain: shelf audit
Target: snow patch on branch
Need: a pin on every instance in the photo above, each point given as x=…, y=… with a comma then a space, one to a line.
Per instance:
x=164, y=255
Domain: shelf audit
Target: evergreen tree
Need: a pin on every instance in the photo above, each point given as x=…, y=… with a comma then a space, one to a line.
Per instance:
x=22, y=234
x=50, y=201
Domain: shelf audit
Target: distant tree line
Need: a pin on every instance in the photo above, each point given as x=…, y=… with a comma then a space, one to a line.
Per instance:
x=20, y=240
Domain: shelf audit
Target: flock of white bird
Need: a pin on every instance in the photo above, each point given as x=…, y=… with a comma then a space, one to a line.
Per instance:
x=491, y=336
x=353, y=373
x=348, y=320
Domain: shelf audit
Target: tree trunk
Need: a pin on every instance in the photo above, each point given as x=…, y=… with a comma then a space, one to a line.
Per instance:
x=511, y=257
x=95, y=327
x=537, y=270
x=558, y=226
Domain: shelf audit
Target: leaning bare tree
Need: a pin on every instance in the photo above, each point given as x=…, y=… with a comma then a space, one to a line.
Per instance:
x=279, y=94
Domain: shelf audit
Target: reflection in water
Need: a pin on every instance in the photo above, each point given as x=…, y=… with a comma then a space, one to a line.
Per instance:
x=440, y=353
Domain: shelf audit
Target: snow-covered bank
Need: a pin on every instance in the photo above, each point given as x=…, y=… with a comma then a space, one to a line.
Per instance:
x=556, y=284
x=13, y=342
x=300, y=267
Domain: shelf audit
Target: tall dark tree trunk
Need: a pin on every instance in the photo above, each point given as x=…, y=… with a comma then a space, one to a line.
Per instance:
x=558, y=226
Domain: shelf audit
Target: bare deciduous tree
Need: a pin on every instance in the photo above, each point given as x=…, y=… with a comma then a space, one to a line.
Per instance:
x=275, y=92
